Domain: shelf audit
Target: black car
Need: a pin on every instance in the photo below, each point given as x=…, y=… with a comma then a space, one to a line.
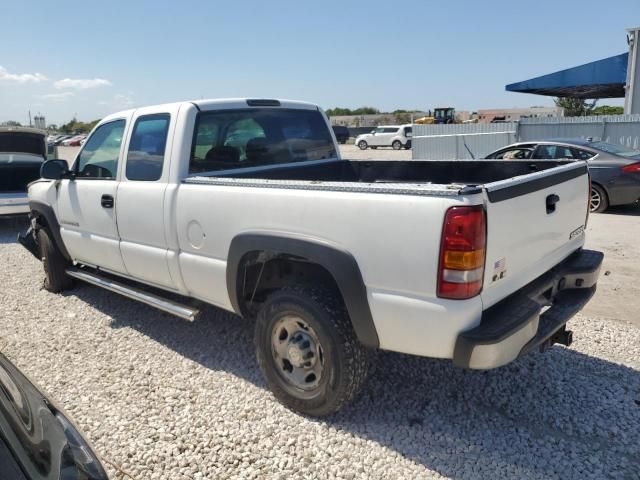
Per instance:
x=341, y=133
x=37, y=440
x=614, y=169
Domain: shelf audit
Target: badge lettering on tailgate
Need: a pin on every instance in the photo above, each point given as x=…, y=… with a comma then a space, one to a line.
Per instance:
x=576, y=232
x=499, y=269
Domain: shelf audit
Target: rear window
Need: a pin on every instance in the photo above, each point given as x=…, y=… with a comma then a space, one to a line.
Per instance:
x=615, y=149
x=253, y=137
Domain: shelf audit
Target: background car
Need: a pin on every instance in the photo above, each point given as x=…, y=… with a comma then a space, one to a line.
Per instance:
x=395, y=136
x=74, y=141
x=61, y=138
x=37, y=440
x=614, y=169
x=341, y=133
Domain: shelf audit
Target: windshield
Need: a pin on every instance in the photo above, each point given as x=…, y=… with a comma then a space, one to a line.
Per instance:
x=615, y=149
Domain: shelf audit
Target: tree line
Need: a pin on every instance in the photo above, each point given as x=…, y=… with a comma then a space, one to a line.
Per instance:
x=72, y=126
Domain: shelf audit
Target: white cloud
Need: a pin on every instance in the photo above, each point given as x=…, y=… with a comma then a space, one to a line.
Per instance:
x=58, y=97
x=81, y=84
x=20, y=77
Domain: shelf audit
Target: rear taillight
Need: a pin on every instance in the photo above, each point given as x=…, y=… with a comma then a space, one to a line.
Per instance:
x=633, y=168
x=462, y=252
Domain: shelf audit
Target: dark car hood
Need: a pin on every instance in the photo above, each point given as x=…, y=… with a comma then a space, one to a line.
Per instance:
x=31, y=430
x=23, y=142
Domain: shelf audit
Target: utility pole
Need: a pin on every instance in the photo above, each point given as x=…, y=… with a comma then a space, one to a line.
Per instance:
x=30, y=119
x=632, y=94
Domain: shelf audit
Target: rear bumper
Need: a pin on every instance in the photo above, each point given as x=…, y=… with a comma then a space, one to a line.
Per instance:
x=14, y=203
x=517, y=325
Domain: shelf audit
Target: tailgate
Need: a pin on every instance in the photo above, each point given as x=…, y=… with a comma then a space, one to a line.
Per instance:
x=534, y=221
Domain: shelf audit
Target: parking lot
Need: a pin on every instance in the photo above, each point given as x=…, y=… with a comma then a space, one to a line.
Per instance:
x=161, y=398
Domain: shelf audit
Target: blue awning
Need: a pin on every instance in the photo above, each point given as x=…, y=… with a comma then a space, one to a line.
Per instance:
x=600, y=79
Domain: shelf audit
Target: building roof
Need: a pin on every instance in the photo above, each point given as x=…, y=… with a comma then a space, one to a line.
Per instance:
x=600, y=79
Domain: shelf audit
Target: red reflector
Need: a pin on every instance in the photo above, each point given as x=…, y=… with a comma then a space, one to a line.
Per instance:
x=460, y=276
x=633, y=168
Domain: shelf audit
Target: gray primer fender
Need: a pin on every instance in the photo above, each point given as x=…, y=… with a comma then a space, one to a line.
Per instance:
x=54, y=227
x=339, y=263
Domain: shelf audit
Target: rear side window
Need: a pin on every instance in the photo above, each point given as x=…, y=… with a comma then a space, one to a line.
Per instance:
x=582, y=154
x=255, y=137
x=516, y=153
x=391, y=130
x=145, y=158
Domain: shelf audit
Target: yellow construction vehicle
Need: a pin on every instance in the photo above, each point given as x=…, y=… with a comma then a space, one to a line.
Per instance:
x=440, y=115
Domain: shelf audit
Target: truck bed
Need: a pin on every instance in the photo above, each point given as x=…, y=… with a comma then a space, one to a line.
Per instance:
x=445, y=177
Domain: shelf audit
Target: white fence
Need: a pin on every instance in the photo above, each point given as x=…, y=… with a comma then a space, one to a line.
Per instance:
x=476, y=140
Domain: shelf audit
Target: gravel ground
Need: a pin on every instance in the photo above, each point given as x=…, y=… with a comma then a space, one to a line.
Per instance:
x=166, y=399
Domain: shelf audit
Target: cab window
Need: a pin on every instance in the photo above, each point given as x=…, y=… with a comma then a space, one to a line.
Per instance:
x=99, y=157
x=145, y=158
x=247, y=138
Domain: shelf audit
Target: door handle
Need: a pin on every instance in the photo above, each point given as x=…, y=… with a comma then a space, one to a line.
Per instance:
x=551, y=202
x=107, y=201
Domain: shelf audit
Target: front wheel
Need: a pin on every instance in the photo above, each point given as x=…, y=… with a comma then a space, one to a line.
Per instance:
x=396, y=145
x=55, y=265
x=362, y=145
x=308, y=352
x=599, y=201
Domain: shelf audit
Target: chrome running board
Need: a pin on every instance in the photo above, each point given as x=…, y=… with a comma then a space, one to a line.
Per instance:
x=169, y=306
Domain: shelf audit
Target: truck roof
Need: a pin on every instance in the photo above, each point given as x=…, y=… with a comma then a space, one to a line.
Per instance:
x=219, y=103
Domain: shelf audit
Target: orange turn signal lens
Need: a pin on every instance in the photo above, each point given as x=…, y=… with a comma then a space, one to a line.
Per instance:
x=456, y=260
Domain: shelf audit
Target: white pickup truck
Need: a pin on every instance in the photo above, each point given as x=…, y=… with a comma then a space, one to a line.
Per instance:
x=246, y=204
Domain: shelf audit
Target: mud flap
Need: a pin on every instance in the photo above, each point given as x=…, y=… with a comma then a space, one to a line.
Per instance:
x=28, y=241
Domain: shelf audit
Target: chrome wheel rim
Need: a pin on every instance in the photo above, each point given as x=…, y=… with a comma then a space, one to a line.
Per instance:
x=362, y=145
x=297, y=352
x=396, y=145
x=596, y=200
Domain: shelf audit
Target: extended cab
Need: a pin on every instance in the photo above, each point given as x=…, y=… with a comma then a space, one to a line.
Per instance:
x=247, y=205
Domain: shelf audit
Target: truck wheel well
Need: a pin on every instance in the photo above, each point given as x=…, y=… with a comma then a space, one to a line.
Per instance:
x=259, y=263
x=262, y=272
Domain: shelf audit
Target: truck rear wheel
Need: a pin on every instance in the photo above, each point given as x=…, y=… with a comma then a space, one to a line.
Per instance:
x=308, y=351
x=55, y=265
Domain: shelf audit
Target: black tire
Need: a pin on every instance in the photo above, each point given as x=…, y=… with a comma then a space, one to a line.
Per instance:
x=407, y=145
x=362, y=145
x=396, y=145
x=599, y=200
x=345, y=360
x=373, y=148
x=55, y=265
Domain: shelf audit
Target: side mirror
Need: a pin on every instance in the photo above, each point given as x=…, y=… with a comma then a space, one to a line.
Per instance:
x=373, y=132
x=54, y=169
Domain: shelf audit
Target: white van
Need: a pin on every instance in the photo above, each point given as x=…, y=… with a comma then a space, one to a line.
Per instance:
x=395, y=136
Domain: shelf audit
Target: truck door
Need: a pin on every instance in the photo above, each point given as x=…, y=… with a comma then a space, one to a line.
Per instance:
x=141, y=211
x=87, y=203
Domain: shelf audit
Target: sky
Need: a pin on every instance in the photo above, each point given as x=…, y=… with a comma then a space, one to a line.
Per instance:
x=88, y=59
